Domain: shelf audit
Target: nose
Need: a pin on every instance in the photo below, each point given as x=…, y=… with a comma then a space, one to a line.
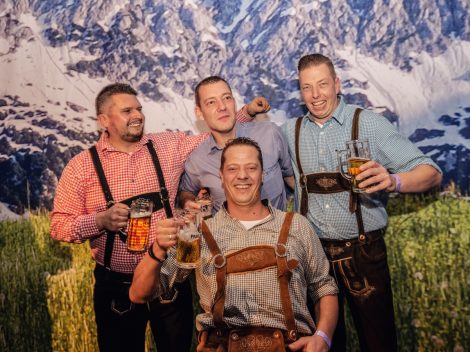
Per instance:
x=315, y=92
x=221, y=105
x=242, y=174
x=137, y=114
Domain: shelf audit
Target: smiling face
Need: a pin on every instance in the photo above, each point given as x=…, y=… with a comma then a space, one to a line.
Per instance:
x=319, y=90
x=242, y=176
x=123, y=119
x=217, y=107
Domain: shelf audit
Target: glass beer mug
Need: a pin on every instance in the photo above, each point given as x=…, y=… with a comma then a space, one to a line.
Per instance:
x=356, y=153
x=188, y=245
x=139, y=225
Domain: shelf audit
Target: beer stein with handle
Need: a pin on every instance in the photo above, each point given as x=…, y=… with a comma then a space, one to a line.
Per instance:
x=356, y=153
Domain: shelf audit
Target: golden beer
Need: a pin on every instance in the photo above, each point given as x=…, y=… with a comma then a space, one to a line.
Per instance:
x=138, y=228
x=188, y=253
x=138, y=233
x=353, y=171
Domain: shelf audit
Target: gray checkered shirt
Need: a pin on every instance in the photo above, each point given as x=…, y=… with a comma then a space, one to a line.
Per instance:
x=253, y=298
x=329, y=213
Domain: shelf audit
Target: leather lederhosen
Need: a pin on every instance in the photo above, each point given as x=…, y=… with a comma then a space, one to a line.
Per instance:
x=328, y=182
x=250, y=259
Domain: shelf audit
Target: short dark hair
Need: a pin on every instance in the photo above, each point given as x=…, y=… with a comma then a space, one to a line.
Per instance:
x=241, y=141
x=206, y=81
x=316, y=60
x=109, y=91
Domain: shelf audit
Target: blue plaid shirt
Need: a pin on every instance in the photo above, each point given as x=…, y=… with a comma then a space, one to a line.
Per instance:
x=329, y=213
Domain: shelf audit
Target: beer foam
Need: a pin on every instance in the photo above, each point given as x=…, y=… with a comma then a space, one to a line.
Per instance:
x=140, y=214
x=187, y=232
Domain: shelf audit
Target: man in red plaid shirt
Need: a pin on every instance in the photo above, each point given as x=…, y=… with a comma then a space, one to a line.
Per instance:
x=83, y=211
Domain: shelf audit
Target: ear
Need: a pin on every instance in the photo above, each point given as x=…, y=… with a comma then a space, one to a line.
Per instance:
x=221, y=177
x=103, y=120
x=198, y=112
x=337, y=85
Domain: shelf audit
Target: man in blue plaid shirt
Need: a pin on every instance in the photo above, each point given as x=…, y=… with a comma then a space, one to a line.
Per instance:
x=351, y=226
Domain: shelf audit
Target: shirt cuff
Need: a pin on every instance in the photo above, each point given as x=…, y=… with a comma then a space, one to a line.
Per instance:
x=243, y=116
x=86, y=227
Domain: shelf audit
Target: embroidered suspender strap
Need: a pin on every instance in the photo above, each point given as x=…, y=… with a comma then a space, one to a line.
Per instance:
x=221, y=270
x=302, y=177
x=318, y=182
x=283, y=276
x=354, y=199
x=251, y=259
x=110, y=236
x=163, y=191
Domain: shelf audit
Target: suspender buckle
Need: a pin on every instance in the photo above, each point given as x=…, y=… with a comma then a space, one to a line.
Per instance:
x=222, y=264
x=164, y=194
x=281, y=250
x=170, y=300
x=110, y=203
x=303, y=181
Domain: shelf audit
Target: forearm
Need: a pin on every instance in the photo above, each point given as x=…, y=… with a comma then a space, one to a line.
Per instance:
x=420, y=179
x=73, y=228
x=146, y=280
x=290, y=181
x=326, y=310
x=243, y=115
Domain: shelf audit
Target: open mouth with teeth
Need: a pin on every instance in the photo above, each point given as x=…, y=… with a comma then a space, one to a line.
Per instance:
x=135, y=123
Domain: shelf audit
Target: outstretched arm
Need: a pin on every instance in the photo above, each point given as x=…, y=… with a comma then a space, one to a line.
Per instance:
x=326, y=310
x=419, y=179
x=257, y=106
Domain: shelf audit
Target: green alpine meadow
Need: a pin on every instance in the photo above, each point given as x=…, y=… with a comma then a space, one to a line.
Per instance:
x=46, y=287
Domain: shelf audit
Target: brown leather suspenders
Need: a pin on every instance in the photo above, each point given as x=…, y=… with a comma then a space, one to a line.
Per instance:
x=251, y=259
x=327, y=182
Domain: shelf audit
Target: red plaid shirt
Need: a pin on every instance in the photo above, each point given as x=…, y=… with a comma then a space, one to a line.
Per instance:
x=79, y=196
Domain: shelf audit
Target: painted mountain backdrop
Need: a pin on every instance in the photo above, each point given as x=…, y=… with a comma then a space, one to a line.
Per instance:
x=409, y=59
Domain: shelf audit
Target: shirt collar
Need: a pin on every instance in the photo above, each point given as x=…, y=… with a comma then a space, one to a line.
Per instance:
x=224, y=212
x=213, y=146
x=338, y=114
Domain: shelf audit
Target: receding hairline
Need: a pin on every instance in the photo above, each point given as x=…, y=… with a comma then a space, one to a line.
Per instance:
x=316, y=60
x=205, y=82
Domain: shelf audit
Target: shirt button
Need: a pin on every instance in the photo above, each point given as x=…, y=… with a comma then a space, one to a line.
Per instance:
x=322, y=169
x=321, y=133
x=321, y=151
x=327, y=206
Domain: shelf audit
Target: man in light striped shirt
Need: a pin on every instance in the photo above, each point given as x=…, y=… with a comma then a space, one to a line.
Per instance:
x=270, y=299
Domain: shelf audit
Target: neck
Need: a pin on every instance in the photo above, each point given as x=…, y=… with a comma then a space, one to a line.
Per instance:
x=222, y=138
x=249, y=212
x=123, y=146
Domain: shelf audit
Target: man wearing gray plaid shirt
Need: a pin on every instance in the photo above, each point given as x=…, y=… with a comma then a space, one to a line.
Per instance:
x=351, y=225
x=258, y=265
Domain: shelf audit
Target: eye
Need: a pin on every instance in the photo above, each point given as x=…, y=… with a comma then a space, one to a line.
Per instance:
x=228, y=97
x=210, y=102
x=140, y=109
x=127, y=110
x=305, y=87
